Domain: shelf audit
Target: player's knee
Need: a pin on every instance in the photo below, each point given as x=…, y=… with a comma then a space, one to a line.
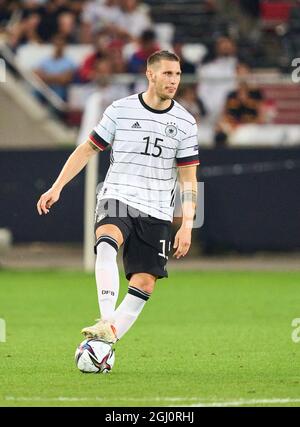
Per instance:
x=112, y=231
x=143, y=281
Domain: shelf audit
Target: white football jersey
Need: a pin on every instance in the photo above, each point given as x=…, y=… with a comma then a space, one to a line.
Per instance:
x=147, y=147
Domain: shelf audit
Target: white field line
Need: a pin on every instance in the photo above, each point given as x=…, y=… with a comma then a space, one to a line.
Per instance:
x=103, y=399
x=191, y=401
x=245, y=402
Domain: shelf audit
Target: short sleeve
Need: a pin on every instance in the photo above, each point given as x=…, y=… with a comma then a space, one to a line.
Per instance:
x=103, y=134
x=188, y=148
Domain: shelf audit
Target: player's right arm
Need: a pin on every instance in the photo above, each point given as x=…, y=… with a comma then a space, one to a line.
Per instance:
x=75, y=163
x=101, y=137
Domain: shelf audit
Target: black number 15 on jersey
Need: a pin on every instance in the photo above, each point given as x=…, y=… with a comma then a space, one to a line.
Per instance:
x=157, y=148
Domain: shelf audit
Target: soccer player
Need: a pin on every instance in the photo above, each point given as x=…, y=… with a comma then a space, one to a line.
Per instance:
x=153, y=140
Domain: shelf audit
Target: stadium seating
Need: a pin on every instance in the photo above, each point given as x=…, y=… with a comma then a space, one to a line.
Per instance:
x=275, y=12
x=287, y=102
x=198, y=23
x=30, y=55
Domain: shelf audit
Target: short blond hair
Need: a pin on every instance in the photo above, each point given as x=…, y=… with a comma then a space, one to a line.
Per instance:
x=159, y=55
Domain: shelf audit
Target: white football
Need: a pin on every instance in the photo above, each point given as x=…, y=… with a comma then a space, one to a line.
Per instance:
x=95, y=356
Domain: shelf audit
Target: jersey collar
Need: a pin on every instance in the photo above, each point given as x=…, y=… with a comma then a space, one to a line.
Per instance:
x=153, y=110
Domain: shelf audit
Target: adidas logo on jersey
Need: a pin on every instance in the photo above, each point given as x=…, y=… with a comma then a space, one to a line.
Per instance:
x=136, y=126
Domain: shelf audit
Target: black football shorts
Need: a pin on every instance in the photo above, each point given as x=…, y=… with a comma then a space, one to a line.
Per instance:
x=147, y=240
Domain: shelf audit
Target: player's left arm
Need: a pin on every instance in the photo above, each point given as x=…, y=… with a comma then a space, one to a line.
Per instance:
x=188, y=191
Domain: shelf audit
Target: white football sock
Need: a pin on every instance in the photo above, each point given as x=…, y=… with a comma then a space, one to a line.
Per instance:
x=107, y=276
x=129, y=310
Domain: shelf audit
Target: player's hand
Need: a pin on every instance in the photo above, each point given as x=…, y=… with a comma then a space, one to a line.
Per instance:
x=182, y=241
x=47, y=200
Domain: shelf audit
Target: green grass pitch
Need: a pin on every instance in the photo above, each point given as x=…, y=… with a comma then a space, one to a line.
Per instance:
x=204, y=338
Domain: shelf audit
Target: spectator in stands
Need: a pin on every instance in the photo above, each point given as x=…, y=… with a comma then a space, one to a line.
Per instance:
x=102, y=71
x=6, y=11
x=116, y=56
x=186, y=66
x=250, y=7
x=27, y=7
x=101, y=49
x=104, y=93
x=49, y=18
x=98, y=16
x=249, y=19
x=243, y=106
x=218, y=77
x=134, y=18
x=187, y=97
x=23, y=16
x=100, y=83
x=146, y=46
x=57, y=71
x=77, y=7
x=25, y=31
x=210, y=7
x=291, y=37
x=66, y=27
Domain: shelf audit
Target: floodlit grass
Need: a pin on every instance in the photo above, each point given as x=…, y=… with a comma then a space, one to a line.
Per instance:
x=203, y=338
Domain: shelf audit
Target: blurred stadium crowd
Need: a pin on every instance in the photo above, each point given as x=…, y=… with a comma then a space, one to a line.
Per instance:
x=220, y=42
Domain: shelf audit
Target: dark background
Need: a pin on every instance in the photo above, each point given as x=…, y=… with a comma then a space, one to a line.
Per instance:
x=251, y=198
